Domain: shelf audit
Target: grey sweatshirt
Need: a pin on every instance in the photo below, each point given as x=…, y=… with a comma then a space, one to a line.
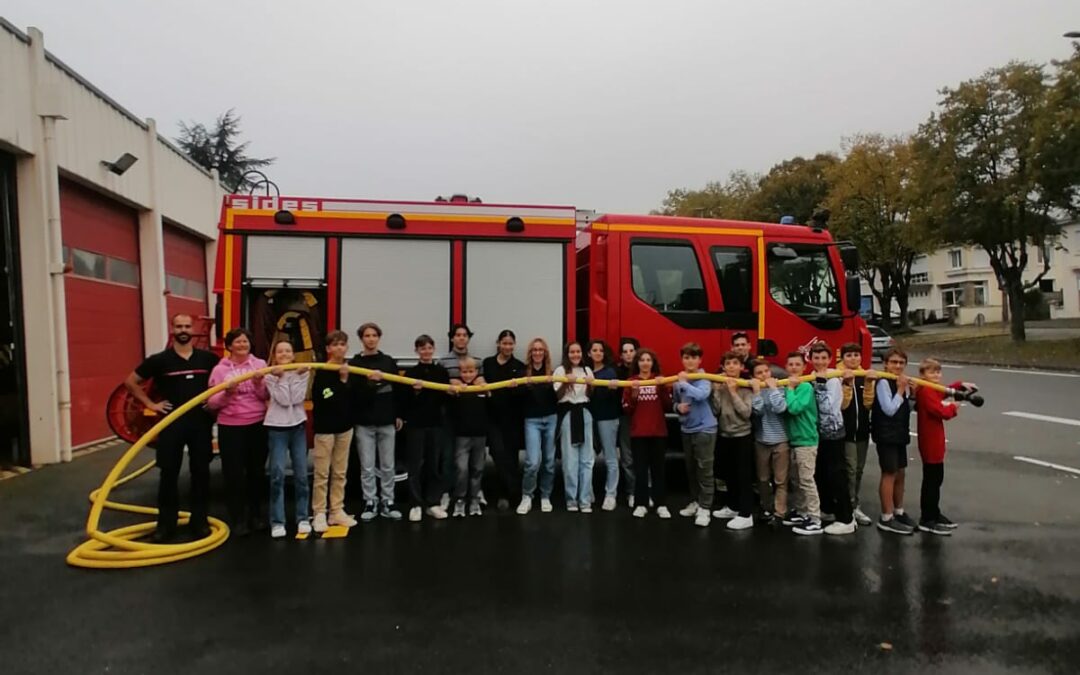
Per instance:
x=733, y=411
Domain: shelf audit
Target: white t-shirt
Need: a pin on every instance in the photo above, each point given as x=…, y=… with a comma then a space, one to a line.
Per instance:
x=577, y=393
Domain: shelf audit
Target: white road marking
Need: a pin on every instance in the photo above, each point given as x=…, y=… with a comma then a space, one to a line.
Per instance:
x=1049, y=465
x=1043, y=418
x=1019, y=371
x=949, y=365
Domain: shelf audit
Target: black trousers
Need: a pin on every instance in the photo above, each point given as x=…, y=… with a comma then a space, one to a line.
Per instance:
x=933, y=475
x=831, y=477
x=737, y=456
x=649, y=460
x=503, y=444
x=423, y=451
x=195, y=433
x=243, y=462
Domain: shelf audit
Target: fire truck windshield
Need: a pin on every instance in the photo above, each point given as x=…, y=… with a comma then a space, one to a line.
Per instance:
x=802, y=279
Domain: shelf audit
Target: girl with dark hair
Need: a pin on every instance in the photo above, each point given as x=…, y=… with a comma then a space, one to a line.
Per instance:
x=241, y=409
x=505, y=437
x=606, y=406
x=575, y=429
x=647, y=405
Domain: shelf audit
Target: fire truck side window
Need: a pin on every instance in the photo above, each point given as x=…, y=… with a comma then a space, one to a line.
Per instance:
x=734, y=276
x=668, y=277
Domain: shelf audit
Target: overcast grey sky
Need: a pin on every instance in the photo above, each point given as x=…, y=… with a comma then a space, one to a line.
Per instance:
x=602, y=105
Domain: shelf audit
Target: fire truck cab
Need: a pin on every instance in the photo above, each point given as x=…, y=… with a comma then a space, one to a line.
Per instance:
x=304, y=266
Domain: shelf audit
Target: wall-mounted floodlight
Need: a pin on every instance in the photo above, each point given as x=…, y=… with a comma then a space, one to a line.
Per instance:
x=121, y=165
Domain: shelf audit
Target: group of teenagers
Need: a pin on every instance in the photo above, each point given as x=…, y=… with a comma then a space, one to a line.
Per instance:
x=747, y=449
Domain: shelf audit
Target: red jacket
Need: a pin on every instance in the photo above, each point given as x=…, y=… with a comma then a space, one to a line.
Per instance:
x=647, y=410
x=932, y=413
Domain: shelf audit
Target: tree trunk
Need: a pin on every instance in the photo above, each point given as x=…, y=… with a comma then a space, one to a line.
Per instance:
x=1015, y=289
x=902, y=301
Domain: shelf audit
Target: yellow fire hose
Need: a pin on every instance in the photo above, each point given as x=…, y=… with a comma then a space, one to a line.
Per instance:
x=121, y=548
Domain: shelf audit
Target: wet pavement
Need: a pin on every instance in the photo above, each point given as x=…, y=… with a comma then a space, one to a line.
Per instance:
x=583, y=593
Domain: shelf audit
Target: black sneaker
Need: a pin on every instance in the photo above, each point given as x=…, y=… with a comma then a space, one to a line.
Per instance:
x=793, y=518
x=389, y=511
x=894, y=526
x=906, y=520
x=810, y=527
x=935, y=528
x=371, y=510
x=946, y=523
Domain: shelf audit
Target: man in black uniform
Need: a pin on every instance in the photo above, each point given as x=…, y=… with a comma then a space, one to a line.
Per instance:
x=180, y=373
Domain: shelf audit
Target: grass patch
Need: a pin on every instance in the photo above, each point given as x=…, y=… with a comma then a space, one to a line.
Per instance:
x=1000, y=350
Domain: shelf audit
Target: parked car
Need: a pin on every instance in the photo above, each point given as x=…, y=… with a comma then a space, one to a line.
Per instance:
x=880, y=342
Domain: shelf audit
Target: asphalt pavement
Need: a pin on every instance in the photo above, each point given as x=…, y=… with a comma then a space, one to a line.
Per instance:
x=588, y=593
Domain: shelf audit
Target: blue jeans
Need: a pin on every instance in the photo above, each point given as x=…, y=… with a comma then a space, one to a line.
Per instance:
x=608, y=432
x=288, y=444
x=578, y=462
x=539, y=430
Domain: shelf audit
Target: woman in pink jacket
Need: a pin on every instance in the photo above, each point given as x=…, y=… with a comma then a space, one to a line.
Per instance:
x=241, y=435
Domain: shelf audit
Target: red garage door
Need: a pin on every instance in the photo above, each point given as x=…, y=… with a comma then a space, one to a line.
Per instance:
x=185, y=272
x=104, y=309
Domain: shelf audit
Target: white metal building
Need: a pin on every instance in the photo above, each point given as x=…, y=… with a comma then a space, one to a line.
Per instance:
x=107, y=230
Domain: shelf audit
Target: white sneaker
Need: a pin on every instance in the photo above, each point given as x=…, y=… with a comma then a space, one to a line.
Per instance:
x=278, y=531
x=689, y=510
x=438, y=513
x=341, y=519
x=840, y=528
x=630, y=501
x=640, y=512
x=663, y=512
x=320, y=524
x=725, y=513
x=545, y=505
x=609, y=504
x=572, y=507
x=459, y=509
x=586, y=508
x=703, y=518
x=415, y=514
x=444, y=501
x=740, y=523
x=525, y=506
x=303, y=527
x=862, y=519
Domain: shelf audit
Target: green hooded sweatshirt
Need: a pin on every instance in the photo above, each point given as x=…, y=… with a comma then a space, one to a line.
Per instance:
x=801, y=418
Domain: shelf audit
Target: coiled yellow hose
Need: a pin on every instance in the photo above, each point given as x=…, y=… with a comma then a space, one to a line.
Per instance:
x=122, y=549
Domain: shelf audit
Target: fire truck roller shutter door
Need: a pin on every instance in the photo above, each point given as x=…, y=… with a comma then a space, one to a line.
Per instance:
x=273, y=260
x=518, y=285
x=401, y=284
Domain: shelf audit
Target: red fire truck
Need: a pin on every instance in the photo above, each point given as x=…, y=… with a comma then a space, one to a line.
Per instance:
x=304, y=266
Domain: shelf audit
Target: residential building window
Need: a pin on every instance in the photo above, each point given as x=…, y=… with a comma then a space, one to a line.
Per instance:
x=920, y=277
x=956, y=259
x=978, y=296
x=1046, y=285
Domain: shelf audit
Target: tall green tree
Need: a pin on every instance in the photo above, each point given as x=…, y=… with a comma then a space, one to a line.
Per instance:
x=795, y=187
x=991, y=175
x=871, y=201
x=730, y=199
x=219, y=147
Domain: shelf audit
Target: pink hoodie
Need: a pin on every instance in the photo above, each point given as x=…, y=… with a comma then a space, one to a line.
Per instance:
x=247, y=403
